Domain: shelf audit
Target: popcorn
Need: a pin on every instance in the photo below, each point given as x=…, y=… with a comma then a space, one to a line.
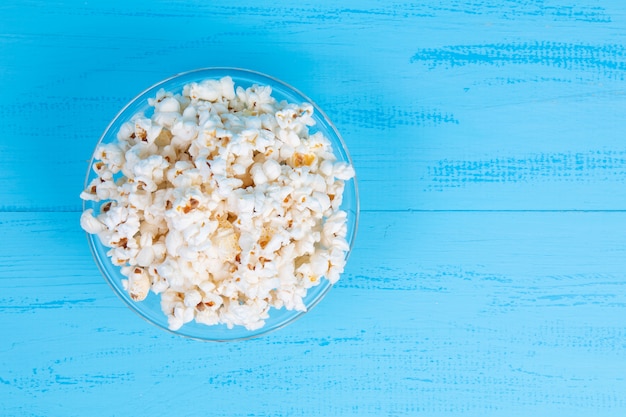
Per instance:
x=271, y=169
x=138, y=284
x=91, y=224
x=168, y=104
x=222, y=203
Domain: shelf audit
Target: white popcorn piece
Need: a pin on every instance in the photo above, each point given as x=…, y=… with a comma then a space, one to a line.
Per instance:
x=222, y=203
x=166, y=119
x=161, y=94
x=91, y=224
x=271, y=169
x=138, y=284
x=258, y=174
x=343, y=171
x=184, y=131
x=145, y=257
x=286, y=118
x=326, y=169
x=209, y=90
x=111, y=154
x=192, y=298
x=167, y=104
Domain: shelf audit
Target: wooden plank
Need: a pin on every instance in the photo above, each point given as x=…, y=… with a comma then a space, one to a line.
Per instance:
x=438, y=313
x=463, y=106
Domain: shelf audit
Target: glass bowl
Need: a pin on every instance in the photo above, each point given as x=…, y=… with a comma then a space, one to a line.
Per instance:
x=150, y=308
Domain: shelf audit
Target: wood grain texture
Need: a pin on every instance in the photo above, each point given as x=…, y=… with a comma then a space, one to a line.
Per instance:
x=488, y=276
x=481, y=313
x=456, y=101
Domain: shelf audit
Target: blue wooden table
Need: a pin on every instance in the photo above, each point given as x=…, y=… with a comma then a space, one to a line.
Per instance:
x=489, y=273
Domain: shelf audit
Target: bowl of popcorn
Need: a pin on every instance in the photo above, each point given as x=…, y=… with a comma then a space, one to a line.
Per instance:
x=220, y=204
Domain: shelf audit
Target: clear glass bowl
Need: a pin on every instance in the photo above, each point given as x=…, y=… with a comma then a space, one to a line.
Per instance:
x=150, y=308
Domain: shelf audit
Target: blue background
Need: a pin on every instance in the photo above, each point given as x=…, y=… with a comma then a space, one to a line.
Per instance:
x=488, y=274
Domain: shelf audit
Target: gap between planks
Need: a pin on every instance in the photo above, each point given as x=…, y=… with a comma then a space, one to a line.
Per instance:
x=4, y=210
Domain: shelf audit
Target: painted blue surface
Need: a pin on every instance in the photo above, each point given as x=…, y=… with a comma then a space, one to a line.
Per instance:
x=488, y=277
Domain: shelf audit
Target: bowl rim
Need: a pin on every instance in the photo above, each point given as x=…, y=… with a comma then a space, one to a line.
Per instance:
x=351, y=238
